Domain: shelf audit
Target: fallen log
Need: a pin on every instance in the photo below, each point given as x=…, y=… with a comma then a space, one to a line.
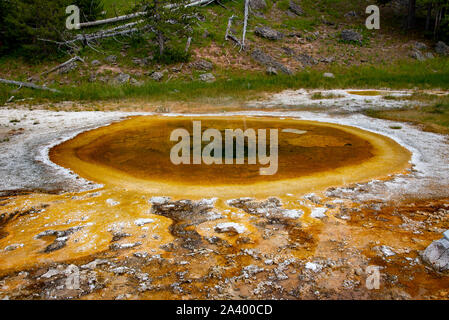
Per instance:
x=26, y=85
x=111, y=20
x=94, y=36
x=75, y=58
x=138, y=14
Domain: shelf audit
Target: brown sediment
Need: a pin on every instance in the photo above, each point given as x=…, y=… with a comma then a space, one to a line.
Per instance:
x=135, y=154
x=368, y=93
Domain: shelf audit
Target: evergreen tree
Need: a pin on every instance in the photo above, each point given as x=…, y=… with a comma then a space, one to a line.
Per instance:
x=170, y=20
x=26, y=21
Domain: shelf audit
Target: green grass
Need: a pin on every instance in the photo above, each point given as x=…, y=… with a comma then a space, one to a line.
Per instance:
x=429, y=74
x=434, y=117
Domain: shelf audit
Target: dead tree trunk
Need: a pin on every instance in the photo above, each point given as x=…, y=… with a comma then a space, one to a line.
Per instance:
x=75, y=58
x=429, y=16
x=245, y=23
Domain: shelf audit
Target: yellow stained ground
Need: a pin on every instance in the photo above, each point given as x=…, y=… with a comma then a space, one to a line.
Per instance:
x=375, y=156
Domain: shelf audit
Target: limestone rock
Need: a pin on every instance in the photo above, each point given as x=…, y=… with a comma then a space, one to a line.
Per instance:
x=202, y=64
x=122, y=78
x=230, y=227
x=272, y=71
x=111, y=59
x=267, y=61
x=157, y=76
x=351, y=36
x=268, y=33
x=295, y=8
x=437, y=255
x=442, y=48
x=258, y=4
x=207, y=77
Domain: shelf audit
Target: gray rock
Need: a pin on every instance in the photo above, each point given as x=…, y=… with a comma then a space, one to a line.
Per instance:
x=270, y=208
x=257, y=4
x=67, y=68
x=351, y=14
x=442, y=48
x=437, y=255
x=328, y=59
x=59, y=243
x=416, y=54
x=429, y=55
x=272, y=71
x=157, y=76
x=116, y=236
x=385, y=251
x=202, y=64
x=446, y=234
x=136, y=82
x=111, y=59
x=329, y=75
x=230, y=227
x=95, y=62
x=207, y=77
x=420, y=46
x=142, y=61
x=268, y=61
x=351, y=36
x=306, y=60
x=295, y=8
x=122, y=78
x=268, y=33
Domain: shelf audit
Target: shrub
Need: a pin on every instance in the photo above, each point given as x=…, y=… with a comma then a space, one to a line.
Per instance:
x=89, y=9
x=172, y=55
x=24, y=22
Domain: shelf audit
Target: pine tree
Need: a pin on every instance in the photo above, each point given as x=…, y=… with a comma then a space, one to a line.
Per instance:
x=26, y=21
x=89, y=9
x=169, y=20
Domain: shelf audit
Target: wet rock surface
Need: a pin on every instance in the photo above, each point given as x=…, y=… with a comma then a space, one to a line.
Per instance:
x=289, y=262
x=437, y=255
